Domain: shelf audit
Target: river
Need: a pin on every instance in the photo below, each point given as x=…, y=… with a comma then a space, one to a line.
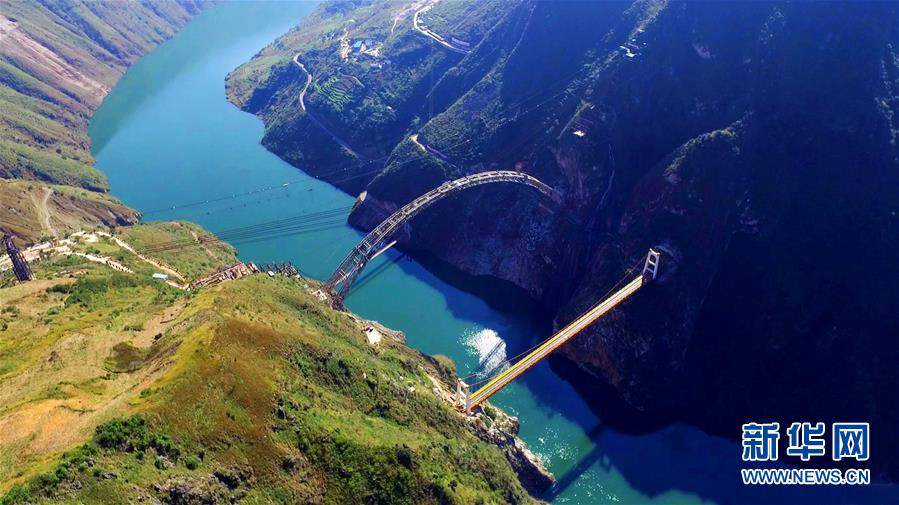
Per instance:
x=166, y=136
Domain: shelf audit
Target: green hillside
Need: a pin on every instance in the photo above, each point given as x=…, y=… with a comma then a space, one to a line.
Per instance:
x=373, y=80
x=252, y=390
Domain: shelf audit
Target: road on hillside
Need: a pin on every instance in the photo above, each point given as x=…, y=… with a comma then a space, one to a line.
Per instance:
x=427, y=32
x=343, y=144
x=42, y=207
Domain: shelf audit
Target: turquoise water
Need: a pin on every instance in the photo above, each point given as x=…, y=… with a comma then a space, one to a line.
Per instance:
x=166, y=136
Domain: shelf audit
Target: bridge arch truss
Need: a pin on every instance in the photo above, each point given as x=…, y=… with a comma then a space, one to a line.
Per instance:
x=340, y=282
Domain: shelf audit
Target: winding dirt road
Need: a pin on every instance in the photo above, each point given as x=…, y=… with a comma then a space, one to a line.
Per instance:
x=42, y=207
x=343, y=144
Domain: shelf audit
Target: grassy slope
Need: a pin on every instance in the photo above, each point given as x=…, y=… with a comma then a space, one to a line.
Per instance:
x=192, y=262
x=252, y=390
x=56, y=335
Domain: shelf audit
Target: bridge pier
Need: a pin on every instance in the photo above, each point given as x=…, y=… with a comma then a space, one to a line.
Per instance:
x=651, y=265
x=19, y=265
x=463, y=396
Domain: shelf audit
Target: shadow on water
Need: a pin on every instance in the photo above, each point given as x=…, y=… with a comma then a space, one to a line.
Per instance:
x=673, y=459
x=586, y=462
x=498, y=294
x=502, y=296
x=527, y=323
x=656, y=455
x=375, y=272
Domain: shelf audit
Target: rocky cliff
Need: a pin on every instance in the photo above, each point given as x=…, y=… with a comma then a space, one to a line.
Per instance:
x=753, y=143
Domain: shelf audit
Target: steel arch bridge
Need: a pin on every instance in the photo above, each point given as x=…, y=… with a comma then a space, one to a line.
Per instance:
x=340, y=282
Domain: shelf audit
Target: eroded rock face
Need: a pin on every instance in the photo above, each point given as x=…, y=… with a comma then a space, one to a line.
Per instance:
x=34, y=211
x=753, y=143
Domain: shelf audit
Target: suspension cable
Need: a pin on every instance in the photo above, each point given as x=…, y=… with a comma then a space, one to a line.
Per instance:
x=273, y=187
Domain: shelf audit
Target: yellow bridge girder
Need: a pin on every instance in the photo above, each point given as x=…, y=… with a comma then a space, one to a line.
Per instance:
x=470, y=400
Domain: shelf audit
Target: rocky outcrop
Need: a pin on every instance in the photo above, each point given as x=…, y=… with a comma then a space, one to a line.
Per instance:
x=225, y=485
x=498, y=428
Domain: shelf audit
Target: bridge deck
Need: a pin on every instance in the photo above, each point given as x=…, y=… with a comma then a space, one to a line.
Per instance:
x=553, y=343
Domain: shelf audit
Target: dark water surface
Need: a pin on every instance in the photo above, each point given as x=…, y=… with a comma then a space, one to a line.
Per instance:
x=166, y=136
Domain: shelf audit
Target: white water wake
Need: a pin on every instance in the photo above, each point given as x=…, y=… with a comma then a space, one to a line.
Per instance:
x=489, y=348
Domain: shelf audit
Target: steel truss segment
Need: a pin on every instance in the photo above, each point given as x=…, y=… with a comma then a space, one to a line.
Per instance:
x=341, y=280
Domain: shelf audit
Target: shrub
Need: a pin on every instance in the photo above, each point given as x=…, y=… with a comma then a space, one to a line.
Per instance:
x=123, y=434
x=192, y=462
x=124, y=358
x=16, y=494
x=88, y=289
x=61, y=288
